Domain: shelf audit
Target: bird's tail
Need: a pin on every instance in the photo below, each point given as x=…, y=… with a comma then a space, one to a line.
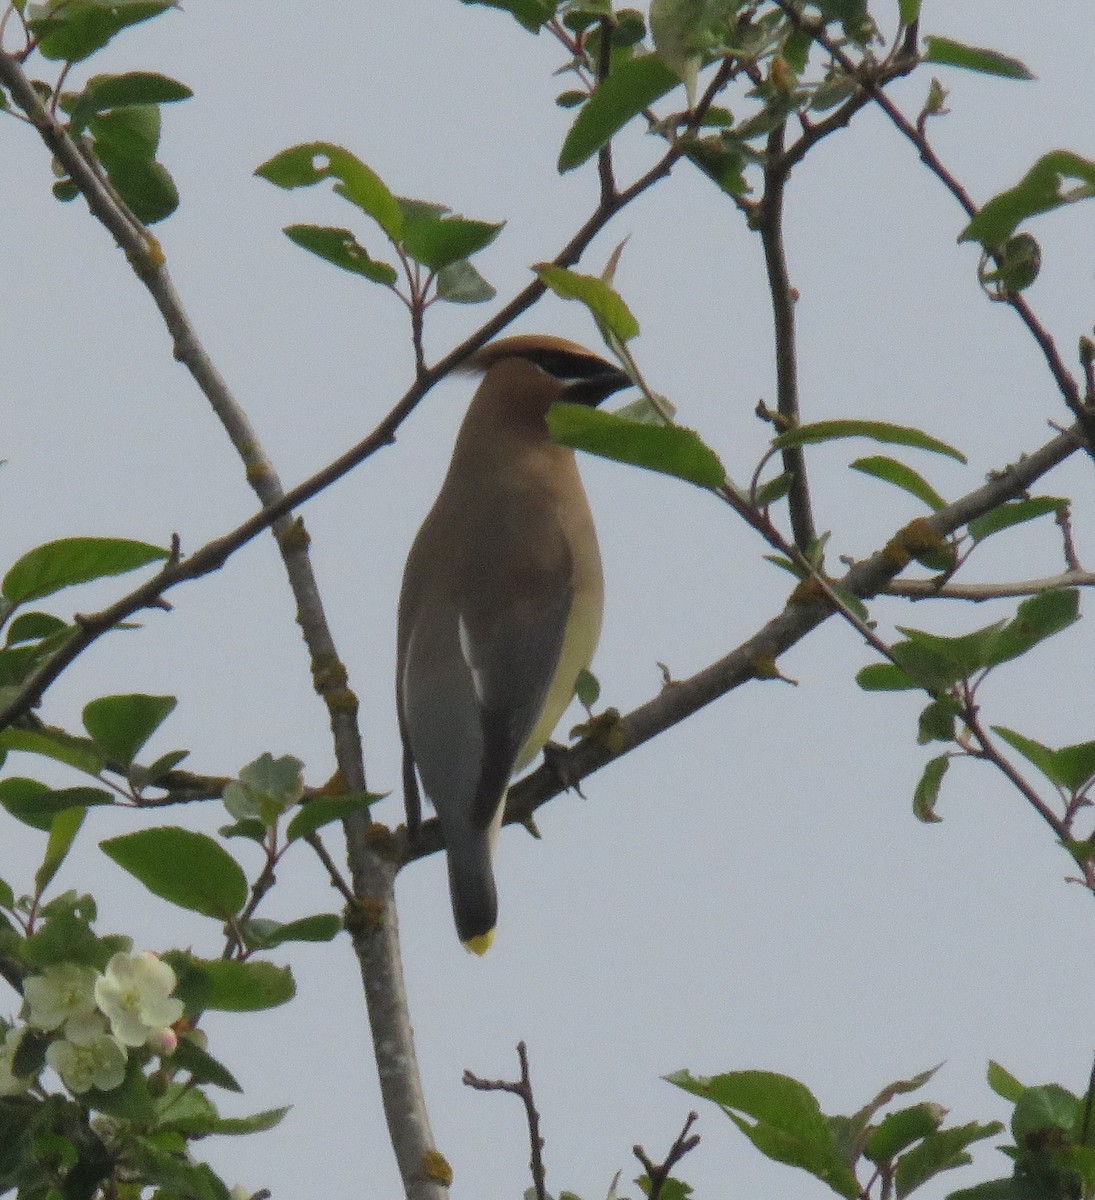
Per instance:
x=471, y=886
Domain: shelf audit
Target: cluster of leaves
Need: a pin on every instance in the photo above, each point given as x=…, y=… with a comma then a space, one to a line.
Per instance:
x=950, y=669
x=893, y=1153
x=55, y=1144
x=898, y=1151
x=33, y=637
x=114, y=117
x=424, y=236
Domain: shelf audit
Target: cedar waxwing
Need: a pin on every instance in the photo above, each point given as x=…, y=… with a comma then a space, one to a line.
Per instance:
x=500, y=607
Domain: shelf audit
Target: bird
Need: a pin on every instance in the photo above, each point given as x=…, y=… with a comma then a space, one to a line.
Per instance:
x=500, y=606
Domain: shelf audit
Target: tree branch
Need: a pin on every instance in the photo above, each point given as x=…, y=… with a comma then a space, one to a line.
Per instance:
x=658, y=1173
x=769, y=223
x=927, y=589
x=523, y=1089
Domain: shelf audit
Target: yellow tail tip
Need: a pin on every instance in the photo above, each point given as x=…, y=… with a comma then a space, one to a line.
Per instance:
x=481, y=944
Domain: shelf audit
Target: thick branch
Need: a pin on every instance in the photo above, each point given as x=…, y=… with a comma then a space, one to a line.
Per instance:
x=377, y=948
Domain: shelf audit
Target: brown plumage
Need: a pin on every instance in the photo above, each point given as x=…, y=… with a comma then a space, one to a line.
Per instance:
x=500, y=607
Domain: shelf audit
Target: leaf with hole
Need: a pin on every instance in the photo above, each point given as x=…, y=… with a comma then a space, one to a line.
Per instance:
x=313, y=162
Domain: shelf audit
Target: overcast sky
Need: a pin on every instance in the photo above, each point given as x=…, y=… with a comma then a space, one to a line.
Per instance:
x=750, y=890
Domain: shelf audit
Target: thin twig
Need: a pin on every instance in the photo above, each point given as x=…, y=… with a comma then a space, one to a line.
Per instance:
x=927, y=589
x=658, y=1173
x=769, y=223
x=523, y=1089
x=605, y=172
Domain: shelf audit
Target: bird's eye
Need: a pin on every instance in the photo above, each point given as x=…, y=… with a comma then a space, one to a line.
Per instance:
x=567, y=367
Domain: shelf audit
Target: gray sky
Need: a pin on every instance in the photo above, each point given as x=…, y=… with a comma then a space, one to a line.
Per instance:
x=751, y=890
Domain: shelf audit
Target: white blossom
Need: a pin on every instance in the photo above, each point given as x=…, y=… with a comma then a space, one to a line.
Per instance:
x=62, y=993
x=135, y=997
x=98, y=1063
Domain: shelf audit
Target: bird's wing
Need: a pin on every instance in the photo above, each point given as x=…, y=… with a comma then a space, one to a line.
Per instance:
x=513, y=659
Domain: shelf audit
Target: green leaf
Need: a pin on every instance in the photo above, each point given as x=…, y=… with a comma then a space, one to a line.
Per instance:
x=940, y=1151
x=936, y=723
x=892, y=471
x=34, y=627
x=631, y=87
x=974, y=58
x=461, y=283
x=322, y=810
x=992, y=1189
x=683, y=30
x=202, y=1066
x=160, y=1163
x=228, y=985
x=722, y=163
x=1017, y=265
x=262, y=934
x=130, y=1101
x=603, y=301
x=1014, y=512
x=313, y=162
x=898, y=1130
x=1003, y=1083
x=438, y=241
x=773, y=489
x=668, y=449
x=37, y=805
x=125, y=142
x=1048, y=1107
x=62, y=833
x=927, y=790
x=1034, y=752
x=587, y=688
x=531, y=13
x=1036, y=619
x=938, y=662
x=69, y=561
x=104, y=92
x=56, y=744
x=184, y=868
x=909, y=10
x=885, y=677
x=71, y=30
x=878, y=431
x=190, y=1112
x=120, y=725
x=781, y=1117
x=266, y=788
x=339, y=246
x=1040, y=190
